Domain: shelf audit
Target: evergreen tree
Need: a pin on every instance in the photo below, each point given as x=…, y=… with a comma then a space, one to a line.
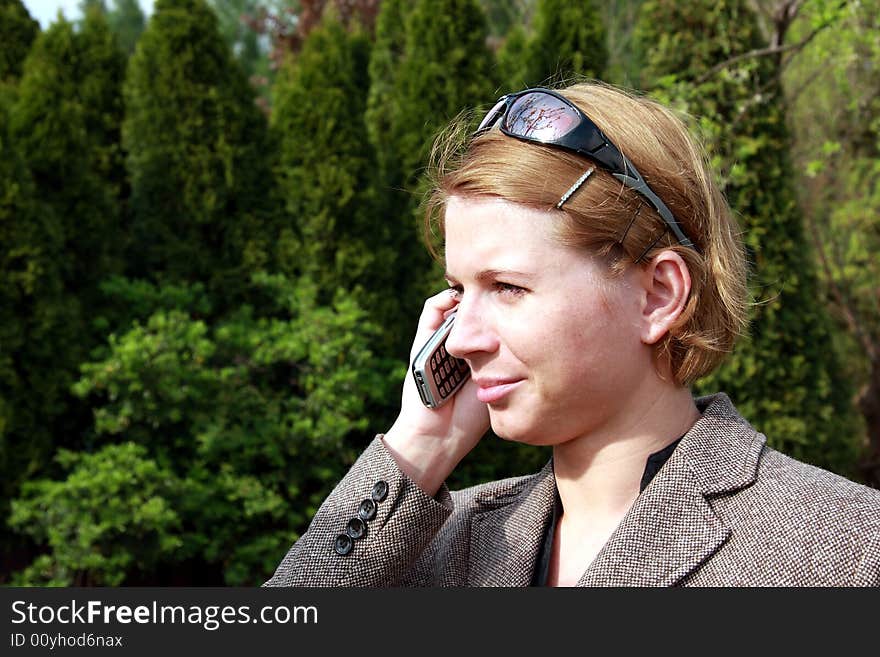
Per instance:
x=513, y=61
x=111, y=515
x=34, y=317
x=785, y=377
x=86, y=6
x=64, y=130
x=234, y=18
x=101, y=76
x=421, y=77
x=393, y=202
x=66, y=123
x=504, y=15
x=127, y=22
x=384, y=101
x=17, y=32
x=569, y=39
x=197, y=156
x=445, y=68
x=624, y=50
x=326, y=170
x=429, y=62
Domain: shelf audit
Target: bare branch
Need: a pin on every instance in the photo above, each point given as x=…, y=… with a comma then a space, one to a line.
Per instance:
x=776, y=48
x=783, y=17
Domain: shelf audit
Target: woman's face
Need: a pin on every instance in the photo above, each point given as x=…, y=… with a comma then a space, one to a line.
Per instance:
x=552, y=341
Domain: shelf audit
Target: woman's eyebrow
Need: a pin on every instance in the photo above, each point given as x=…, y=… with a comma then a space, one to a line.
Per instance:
x=491, y=274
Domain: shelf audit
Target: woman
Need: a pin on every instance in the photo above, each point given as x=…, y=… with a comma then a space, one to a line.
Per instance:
x=587, y=300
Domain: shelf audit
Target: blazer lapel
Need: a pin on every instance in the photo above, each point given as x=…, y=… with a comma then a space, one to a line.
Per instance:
x=507, y=533
x=671, y=528
x=667, y=533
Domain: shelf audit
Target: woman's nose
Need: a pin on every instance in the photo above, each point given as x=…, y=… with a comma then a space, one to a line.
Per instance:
x=470, y=333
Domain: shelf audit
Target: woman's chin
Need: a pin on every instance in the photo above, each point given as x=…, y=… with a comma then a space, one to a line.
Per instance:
x=521, y=431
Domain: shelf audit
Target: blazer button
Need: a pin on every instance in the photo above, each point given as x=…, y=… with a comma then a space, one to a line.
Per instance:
x=367, y=510
x=380, y=491
x=356, y=528
x=343, y=544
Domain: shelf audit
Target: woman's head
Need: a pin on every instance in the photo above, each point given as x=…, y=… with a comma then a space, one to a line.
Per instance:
x=608, y=220
x=557, y=347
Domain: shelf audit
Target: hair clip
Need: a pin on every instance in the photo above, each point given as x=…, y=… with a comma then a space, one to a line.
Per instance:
x=652, y=244
x=629, y=225
x=571, y=190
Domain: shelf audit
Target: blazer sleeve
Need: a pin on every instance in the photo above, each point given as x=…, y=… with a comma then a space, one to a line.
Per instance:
x=369, y=531
x=868, y=571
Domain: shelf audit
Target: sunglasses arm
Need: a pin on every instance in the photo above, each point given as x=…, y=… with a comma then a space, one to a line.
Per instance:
x=634, y=181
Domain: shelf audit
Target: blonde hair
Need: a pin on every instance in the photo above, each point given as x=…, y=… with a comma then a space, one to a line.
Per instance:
x=612, y=221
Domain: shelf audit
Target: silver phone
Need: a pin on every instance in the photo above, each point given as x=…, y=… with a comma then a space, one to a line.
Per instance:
x=438, y=374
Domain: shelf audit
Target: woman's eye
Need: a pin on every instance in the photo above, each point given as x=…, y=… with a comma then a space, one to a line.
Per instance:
x=509, y=288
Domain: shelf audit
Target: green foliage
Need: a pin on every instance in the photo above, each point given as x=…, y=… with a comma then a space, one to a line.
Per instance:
x=17, y=32
x=445, y=67
x=513, y=61
x=35, y=317
x=101, y=75
x=421, y=77
x=503, y=16
x=430, y=61
x=66, y=124
x=837, y=127
x=834, y=88
x=383, y=100
x=625, y=57
x=394, y=201
x=127, y=22
x=112, y=516
x=785, y=377
x=325, y=163
x=243, y=39
x=241, y=426
x=335, y=233
x=62, y=227
x=568, y=40
x=197, y=156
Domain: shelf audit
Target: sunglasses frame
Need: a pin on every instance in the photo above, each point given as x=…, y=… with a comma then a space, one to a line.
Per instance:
x=587, y=140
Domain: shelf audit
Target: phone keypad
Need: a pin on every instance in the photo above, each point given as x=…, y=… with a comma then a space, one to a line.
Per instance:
x=447, y=371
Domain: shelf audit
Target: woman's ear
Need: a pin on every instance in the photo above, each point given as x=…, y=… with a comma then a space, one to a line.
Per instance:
x=666, y=283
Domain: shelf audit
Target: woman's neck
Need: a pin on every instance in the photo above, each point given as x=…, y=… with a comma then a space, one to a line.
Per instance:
x=600, y=473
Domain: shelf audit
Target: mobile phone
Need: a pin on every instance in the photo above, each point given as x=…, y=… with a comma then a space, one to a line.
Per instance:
x=438, y=374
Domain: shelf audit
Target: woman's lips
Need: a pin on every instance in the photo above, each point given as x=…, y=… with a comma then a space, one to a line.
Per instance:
x=489, y=391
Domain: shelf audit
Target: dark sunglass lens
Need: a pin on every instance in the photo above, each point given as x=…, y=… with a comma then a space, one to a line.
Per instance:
x=540, y=116
x=493, y=115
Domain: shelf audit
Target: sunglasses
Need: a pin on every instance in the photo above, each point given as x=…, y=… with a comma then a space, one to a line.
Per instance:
x=545, y=117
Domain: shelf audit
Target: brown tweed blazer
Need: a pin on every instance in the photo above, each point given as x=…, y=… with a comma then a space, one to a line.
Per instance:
x=725, y=510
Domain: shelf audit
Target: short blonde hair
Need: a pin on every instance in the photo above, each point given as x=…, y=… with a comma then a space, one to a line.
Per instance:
x=612, y=221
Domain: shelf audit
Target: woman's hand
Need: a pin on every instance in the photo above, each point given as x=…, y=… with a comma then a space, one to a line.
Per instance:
x=428, y=443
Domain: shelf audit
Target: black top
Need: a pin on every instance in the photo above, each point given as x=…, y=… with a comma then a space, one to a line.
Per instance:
x=542, y=565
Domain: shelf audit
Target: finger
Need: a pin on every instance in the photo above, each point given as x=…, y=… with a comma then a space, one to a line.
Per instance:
x=436, y=309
